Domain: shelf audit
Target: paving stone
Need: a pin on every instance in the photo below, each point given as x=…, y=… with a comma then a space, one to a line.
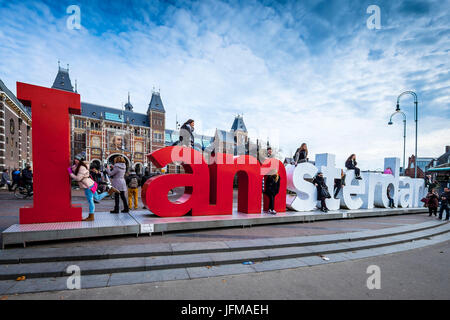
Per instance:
x=216, y=271
x=237, y=256
x=278, y=265
x=335, y=257
x=56, y=284
x=327, y=248
x=9, y=257
x=32, y=270
x=196, y=247
x=179, y=261
x=290, y=252
x=110, y=265
x=61, y=254
x=118, y=279
x=139, y=250
x=5, y=285
x=313, y=260
x=242, y=244
x=39, y=285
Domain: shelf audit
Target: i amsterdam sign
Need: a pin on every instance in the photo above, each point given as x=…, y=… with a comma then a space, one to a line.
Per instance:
x=208, y=186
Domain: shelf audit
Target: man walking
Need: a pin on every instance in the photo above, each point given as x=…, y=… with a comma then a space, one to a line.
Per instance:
x=445, y=197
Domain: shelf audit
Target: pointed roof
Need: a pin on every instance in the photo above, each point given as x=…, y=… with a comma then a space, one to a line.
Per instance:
x=238, y=124
x=62, y=80
x=128, y=105
x=156, y=103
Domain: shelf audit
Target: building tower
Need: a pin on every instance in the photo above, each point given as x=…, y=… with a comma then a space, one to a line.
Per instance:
x=240, y=133
x=62, y=80
x=157, y=120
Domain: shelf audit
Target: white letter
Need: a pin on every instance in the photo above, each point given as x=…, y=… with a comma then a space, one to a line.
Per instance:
x=374, y=21
x=73, y=21
x=374, y=281
x=350, y=190
x=74, y=281
x=306, y=192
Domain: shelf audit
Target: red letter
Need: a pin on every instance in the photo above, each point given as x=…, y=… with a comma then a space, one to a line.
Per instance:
x=196, y=183
x=51, y=153
x=223, y=170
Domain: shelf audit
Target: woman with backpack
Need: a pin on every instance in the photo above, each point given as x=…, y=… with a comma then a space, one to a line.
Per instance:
x=322, y=191
x=79, y=172
x=272, y=186
x=117, y=174
x=133, y=183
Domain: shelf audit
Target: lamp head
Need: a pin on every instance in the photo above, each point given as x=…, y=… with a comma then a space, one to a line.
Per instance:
x=390, y=123
x=398, y=107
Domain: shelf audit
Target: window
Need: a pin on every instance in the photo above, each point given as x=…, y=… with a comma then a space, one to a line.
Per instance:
x=11, y=126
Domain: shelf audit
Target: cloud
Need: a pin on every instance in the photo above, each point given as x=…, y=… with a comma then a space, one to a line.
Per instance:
x=306, y=71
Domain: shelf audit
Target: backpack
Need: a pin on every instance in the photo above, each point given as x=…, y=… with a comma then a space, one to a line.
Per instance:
x=134, y=183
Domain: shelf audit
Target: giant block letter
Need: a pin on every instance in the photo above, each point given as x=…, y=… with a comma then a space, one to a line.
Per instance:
x=351, y=190
x=51, y=153
x=306, y=192
x=154, y=194
x=223, y=170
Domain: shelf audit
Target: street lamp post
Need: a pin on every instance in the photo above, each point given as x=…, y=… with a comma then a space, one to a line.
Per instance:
x=416, y=118
x=404, y=133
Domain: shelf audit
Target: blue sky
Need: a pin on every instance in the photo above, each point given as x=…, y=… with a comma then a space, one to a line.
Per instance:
x=299, y=71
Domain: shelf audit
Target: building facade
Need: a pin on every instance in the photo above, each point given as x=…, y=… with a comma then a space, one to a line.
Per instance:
x=15, y=132
x=105, y=132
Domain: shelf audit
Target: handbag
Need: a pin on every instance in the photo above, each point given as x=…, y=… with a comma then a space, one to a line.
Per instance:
x=324, y=193
x=94, y=187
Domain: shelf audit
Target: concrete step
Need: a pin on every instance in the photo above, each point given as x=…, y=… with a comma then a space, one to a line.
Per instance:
x=30, y=255
x=176, y=261
x=8, y=287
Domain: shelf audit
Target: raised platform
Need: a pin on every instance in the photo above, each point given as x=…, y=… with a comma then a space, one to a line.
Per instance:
x=144, y=222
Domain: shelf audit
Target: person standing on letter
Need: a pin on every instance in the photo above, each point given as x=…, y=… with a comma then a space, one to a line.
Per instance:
x=351, y=163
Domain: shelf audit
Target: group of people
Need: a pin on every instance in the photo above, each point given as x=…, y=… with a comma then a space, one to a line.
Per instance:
x=432, y=203
x=115, y=180
x=301, y=155
x=19, y=178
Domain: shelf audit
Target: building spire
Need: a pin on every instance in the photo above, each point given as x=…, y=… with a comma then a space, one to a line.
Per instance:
x=76, y=86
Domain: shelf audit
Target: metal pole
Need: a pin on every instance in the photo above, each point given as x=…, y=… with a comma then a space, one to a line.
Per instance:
x=416, y=118
x=404, y=142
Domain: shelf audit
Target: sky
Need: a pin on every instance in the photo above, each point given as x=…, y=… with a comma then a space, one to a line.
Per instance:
x=298, y=71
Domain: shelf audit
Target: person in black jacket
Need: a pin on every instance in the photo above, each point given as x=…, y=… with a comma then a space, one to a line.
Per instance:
x=322, y=191
x=445, y=200
x=186, y=134
x=27, y=179
x=351, y=163
x=272, y=186
x=301, y=154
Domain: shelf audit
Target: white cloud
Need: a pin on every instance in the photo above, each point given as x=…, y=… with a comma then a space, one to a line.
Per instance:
x=250, y=60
